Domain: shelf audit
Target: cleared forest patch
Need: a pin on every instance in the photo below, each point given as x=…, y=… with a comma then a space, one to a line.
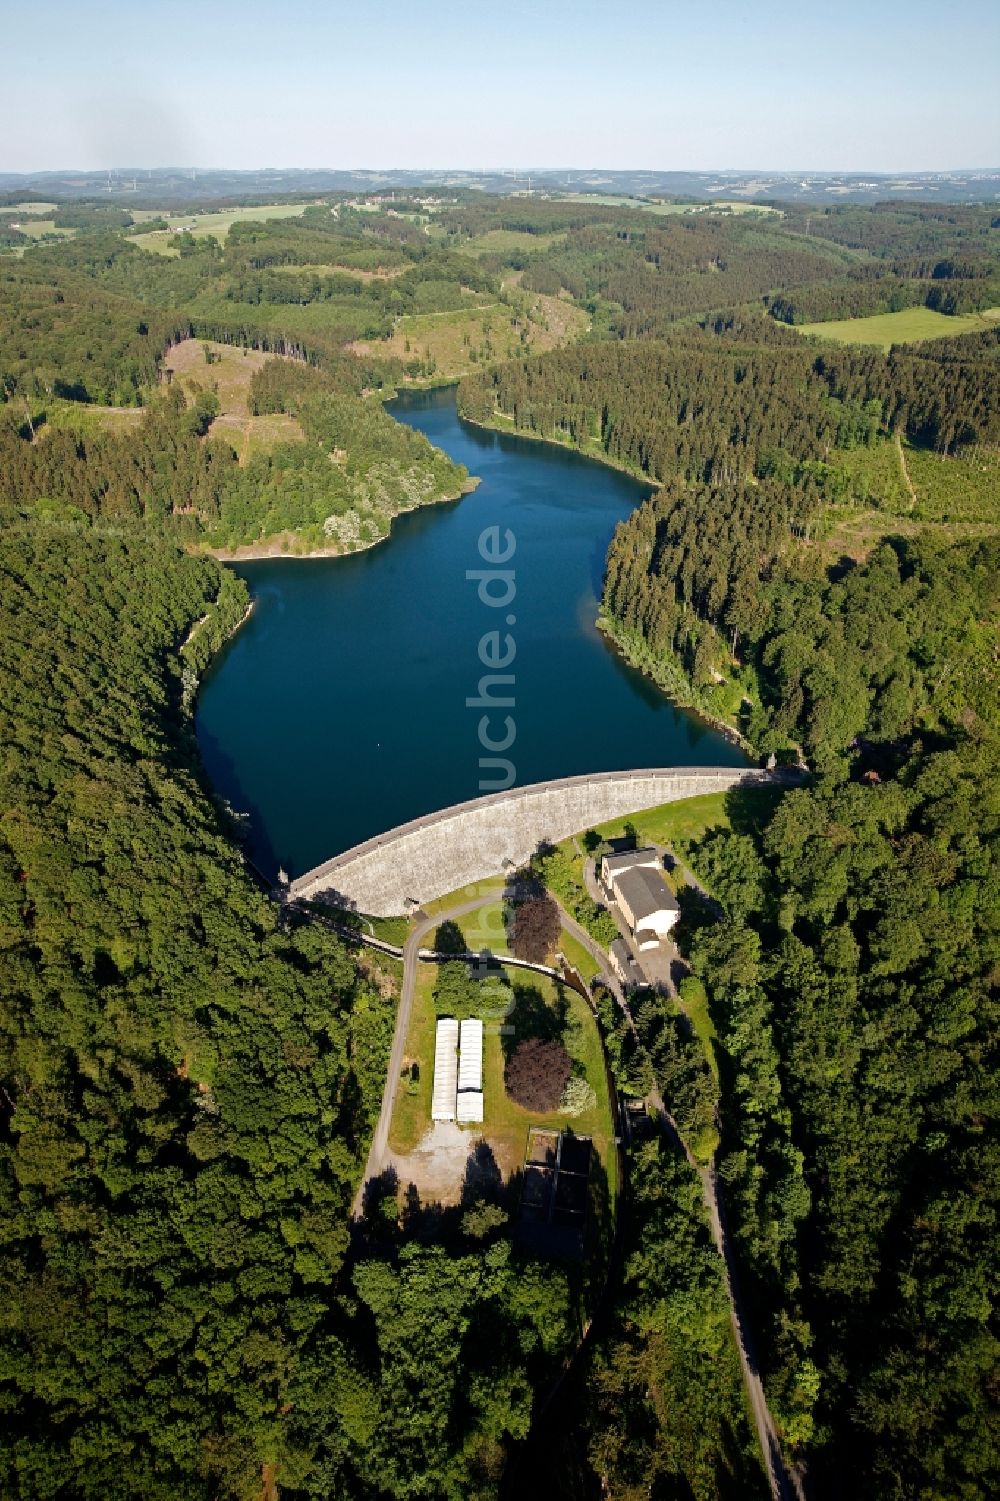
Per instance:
x=448, y=345
x=228, y=371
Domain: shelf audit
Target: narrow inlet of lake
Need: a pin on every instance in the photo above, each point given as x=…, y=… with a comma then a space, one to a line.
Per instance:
x=341, y=707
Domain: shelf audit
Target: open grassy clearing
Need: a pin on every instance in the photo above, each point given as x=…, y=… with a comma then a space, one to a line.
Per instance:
x=900, y=489
x=215, y=225
x=449, y=345
x=875, y=475
x=905, y=327
x=229, y=375
x=84, y=417
x=36, y=228
x=732, y=206
x=852, y=533
x=338, y=318
x=503, y=241
x=664, y=206
x=955, y=490
x=156, y=241
x=384, y=273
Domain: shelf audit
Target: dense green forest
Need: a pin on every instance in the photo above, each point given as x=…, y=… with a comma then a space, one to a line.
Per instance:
x=716, y=586
x=852, y=980
x=189, y=1079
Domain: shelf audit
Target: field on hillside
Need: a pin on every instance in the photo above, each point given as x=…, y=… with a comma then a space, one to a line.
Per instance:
x=503, y=241
x=449, y=345
x=901, y=490
x=217, y=225
x=901, y=479
x=384, y=273
x=659, y=206
x=905, y=327
x=229, y=376
x=35, y=226
x=84, y=416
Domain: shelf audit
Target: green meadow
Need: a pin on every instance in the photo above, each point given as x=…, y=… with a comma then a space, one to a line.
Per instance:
x=905, y=327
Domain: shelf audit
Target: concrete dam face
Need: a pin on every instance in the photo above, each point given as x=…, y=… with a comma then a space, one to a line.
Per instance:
x=441, y=852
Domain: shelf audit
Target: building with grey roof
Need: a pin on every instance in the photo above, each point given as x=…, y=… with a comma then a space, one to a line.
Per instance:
x=647, y=904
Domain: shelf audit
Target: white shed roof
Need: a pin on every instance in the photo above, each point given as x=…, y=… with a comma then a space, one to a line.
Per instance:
x=470, y=1056
x=445, y=1070
x=470, y=1105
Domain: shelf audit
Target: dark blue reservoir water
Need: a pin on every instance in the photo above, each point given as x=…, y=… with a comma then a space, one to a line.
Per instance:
x=339, y=710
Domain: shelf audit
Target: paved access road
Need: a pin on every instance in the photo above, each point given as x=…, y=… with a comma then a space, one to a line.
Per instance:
x=784, y=1481
x=411, y=960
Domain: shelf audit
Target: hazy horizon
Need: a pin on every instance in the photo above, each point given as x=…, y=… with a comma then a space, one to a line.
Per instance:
x=566, y=82
x=504, y=169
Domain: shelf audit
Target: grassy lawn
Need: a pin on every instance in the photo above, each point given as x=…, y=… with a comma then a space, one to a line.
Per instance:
x=581, y=958
x=411, y=1111
x=489, y=889
x=692, y=817
x=505, y=1124
x=905, y=327
x=485, y=929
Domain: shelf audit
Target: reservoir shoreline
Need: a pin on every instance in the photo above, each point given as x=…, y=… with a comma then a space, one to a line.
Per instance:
x=339, y=709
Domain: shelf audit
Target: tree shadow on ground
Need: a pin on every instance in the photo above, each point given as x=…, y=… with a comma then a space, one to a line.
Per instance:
x=749, y=807
x=422, y=1220
x=449, y=939
x=531, y=1016
x=697, y=911
x=483, y=1178
x=380, y=1207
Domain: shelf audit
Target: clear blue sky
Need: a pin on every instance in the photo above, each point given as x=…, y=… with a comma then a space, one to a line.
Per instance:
x=877, y=84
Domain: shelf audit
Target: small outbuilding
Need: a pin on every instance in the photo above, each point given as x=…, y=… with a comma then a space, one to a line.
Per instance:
x=625, y=966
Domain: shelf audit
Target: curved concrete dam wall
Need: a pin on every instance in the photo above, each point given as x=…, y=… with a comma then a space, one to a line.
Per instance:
x=440, y=852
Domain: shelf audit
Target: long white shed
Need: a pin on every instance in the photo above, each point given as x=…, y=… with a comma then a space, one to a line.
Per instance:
x=470, y=1055
x=445, y=1070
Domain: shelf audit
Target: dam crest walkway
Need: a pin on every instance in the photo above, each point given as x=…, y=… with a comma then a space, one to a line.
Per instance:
x=396, y=872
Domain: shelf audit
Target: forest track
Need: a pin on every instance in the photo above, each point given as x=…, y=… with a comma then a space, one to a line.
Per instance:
x=907, y=481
